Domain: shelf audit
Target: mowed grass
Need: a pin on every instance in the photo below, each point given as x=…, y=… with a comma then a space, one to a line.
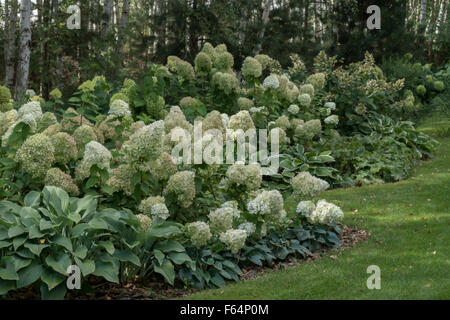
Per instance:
x=409, y=223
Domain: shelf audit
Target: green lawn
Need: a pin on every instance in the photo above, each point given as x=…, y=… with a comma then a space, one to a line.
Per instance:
x=409, y=222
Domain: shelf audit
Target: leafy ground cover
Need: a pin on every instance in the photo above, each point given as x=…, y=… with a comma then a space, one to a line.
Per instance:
x=409, y=226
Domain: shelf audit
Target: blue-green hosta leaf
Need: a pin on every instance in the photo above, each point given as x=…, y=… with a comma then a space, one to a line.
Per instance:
x=57, y=293
x=167, y=270
x=6, y=285
x=98, y=224
x=107, y=270
x=46, y=225
x=179, y=257
x=32, y=199
x=86, y=266
x=34, y=233
x=35, y=248
x=19, y=241
x=80, y=252
x=57, y=199
x=127, y=255
x=4, y=244
x=16, y=231
x=59, y=263
x=8, y=269
x=159, y=256
x=162, y=231
x=64, y=242
x=170, y=246
x=107, y=245
x=29, y=274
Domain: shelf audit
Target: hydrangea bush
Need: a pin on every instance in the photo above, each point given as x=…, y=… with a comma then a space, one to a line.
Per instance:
x=119, y=150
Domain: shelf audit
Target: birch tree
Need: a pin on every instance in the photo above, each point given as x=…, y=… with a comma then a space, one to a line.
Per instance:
x=10, y=43
x=265, y=21
x=23, y=65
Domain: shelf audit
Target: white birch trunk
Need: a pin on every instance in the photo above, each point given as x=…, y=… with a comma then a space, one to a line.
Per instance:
x=10, y=45
x=265, y=20
x=23, y=66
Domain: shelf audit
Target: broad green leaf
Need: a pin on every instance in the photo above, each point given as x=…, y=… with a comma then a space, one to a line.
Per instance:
x=16, y=231
x=109, y=247
x=32, y=199
x=159, y=256
x=64, y=242
x=57, y=293
x=34, y=233
x=8, y=269
x=163, y=230
x=127, y=255
x=80, y=252
x=19, y=241
x=35, y=248
x=179, y=257
x=170, y=246
x=167, y=271
x=30, y=274
x=86, y=266
x=59, y=263
x=107, y=270
x=6, y=285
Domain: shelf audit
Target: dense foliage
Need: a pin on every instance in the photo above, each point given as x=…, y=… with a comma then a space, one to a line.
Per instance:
x=136, y=210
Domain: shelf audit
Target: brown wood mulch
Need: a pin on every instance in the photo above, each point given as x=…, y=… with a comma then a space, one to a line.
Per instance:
x=158, y=290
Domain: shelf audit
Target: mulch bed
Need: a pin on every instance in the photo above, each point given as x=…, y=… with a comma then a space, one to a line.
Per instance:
x=155, y=289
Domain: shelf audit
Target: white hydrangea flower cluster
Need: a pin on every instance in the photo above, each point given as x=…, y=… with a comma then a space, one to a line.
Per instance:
x=6, y=121
x=269, y=204
x=304, y=99
x=36, y=155
x=30, y=113
x=306, y=185
x=234, y=239
x=120, y=179
x=96, y=154
x=248, y=227
x=333, y=119
x=325, y=212
x=144, y=145
x=271, y=82
x=199, y=233
x=330, y=105
x=120, y=108
x=65, y=147
x=146, y=222
x=30, y=93
x=233, y=204
x=221, y=219
x=160, y=210
x=293, y=109
x=241, y=120
x=305, y=208
x=246, y=175
x=182, y=184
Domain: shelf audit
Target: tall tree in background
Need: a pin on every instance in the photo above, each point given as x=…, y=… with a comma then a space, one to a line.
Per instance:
x=23, y=64
x=11, y=8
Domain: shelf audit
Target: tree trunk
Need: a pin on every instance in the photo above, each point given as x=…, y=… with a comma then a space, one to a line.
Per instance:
x=10, y=43
x=423, y=14
x=106, y=18
x=122, y=27
x=440, y=18
x=265, y=21
x=23, y=66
